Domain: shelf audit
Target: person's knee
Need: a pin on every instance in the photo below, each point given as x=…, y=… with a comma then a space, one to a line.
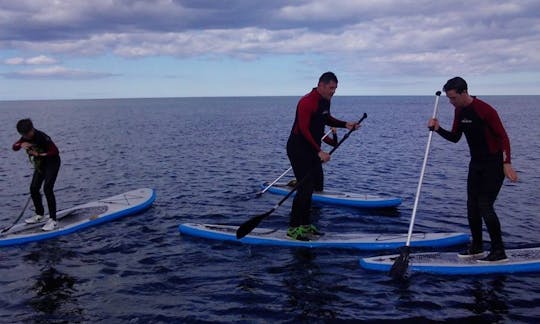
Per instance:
x=472, y=204
x=48, y=190
x=34, y=190
x=485, y=206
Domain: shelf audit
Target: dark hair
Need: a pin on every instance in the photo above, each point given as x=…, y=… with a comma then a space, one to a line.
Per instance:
x=327, y=77
x=457, y=84
x=24, y=126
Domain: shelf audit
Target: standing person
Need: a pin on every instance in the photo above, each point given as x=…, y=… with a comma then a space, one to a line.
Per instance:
x=490, y=162
x=46, y=159
x=305, y=154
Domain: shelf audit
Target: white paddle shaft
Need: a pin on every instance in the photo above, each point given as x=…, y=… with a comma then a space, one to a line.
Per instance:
x=419, y=187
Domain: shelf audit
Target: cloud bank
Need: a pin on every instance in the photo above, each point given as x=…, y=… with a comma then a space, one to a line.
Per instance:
x=366, y=37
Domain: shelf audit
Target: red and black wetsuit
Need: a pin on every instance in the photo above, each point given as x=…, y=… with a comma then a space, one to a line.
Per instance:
x=45, y=170
x=489, y=148
x=303, y=147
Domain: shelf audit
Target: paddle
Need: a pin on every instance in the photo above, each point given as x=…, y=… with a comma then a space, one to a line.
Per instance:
x=399, y=268
x=253, y=222
x=18, y=218
x=289, y=169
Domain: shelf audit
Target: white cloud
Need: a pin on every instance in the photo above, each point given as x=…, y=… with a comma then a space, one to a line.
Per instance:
x=36, y=60
x=14, y=61
x=56, y=72
x=40, y=60
x=372, y=37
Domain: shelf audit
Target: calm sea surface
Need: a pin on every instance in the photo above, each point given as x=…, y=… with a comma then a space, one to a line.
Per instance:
x=206, y=158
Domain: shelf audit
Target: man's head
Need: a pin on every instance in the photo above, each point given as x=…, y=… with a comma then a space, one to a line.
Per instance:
x=327, y=85
x=456, y=91
x=25, y=128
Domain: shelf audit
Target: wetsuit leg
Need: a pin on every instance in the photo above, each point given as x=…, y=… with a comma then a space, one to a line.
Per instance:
x=302, y=164
x=319, y=177
x=50, y=173
x=474, y=183
x=35, y=186
x=493, y=178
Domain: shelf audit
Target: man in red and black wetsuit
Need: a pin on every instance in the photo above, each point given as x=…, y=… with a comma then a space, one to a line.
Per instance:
x=490, y=161
x=46, y=159
x=305, y=153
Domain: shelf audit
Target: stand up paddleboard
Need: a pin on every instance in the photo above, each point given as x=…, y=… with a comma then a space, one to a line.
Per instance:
x=82, y=216
x=519, y=260
x=275, y=237
x=341, y=198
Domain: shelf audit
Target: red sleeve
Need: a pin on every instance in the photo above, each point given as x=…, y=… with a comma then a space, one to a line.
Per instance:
x=495, y=125
x=305, y=110
x=17, y=145
x=52, y=150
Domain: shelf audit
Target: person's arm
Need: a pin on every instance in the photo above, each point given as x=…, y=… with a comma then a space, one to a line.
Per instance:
x=51, y=149
x=304, y=119
x=452, y=136
x=17, y=145
x=45, y=142
x=495, y=124
x=334, y=122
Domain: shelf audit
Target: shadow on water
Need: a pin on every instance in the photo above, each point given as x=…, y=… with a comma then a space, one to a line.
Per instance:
x=489, y=298
x=483, y=299
x=53, y=299
x=309, y=294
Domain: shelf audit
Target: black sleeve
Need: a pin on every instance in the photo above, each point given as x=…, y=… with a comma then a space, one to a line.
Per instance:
x=449, y=136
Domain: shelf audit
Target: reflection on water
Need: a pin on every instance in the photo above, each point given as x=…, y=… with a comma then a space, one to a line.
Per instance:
x=309, y=294
x=52, y=293
x=490, y=298
x=53, y=289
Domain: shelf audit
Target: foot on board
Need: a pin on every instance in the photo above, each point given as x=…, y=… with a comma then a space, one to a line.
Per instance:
x=494, y=257
x=34, y=219
x=51, y=224
x=298, y=233
x=312, y=229
x=472, y=252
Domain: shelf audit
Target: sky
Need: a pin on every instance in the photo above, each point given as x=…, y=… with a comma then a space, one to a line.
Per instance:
x=75, y=49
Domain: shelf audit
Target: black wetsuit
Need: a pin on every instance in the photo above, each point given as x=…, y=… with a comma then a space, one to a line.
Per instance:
x=45, y=171
x=303, y=146
x=489, y=148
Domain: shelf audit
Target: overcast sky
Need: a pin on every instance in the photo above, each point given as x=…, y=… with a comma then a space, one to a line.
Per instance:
x=177, y=48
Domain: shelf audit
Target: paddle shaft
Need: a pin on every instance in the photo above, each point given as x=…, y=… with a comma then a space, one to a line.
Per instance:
x=19, y=217
x=287, y=171
x=309, y=172
x=421, y=179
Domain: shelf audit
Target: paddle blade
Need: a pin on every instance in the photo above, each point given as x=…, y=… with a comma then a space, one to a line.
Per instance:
x=400, y=266
x=250, y=225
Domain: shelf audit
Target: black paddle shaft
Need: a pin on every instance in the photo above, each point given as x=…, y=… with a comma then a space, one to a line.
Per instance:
x=309, y=172
x=249, y=225
x=18, y=218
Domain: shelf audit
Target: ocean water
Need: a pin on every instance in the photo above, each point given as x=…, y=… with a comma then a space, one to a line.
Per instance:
x=206, y=158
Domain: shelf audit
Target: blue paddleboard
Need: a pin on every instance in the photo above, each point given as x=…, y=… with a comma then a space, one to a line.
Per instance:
x=341, y=198
x=519, y=260
x=278, y=237
x=82, y=216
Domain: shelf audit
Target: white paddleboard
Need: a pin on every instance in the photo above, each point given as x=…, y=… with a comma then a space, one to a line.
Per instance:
x=278, y=237
x=350, y=199
x=82, y=216
x=448, y=263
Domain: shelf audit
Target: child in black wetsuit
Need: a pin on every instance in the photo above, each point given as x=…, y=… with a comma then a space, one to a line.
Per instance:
x=46, y=159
